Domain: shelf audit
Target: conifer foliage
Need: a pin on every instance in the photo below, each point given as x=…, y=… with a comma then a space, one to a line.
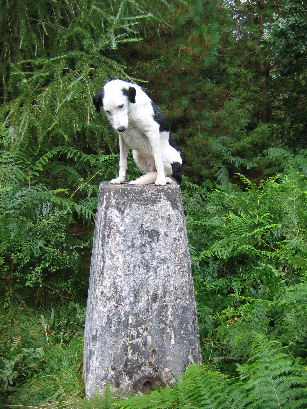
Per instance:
x=54, y=151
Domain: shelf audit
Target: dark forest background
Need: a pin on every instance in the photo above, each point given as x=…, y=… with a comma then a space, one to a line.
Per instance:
x=230, y=76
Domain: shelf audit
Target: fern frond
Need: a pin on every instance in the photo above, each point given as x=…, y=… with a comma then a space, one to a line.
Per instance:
x=16, y=342
x=245, y=180
x=163, y=399
x=14, y=167
x=271, y=379
x=222, y=175
x=43, y=160
x=199, y=387
x=207, y=388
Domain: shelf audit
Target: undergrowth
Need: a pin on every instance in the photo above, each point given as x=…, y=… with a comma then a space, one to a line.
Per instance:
x=41, y=353
x=44, y=370
x=248, y=252
x=248, y=249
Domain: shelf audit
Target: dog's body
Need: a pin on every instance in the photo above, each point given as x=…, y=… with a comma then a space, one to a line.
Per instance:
x=143, y=128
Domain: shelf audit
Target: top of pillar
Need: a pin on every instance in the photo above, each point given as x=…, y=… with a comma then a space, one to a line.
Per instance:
x=143, y=193
x=152, y=186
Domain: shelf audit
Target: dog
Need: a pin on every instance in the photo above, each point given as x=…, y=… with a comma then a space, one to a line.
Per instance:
x=142, y=127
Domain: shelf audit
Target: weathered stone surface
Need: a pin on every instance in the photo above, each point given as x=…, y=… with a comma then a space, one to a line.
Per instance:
x=141, y=326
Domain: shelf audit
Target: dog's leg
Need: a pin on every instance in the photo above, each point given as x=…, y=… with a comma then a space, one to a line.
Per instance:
x=146, y=164
x=149, y=178
x=146, y=179
x=154, y=139
x=123, y=155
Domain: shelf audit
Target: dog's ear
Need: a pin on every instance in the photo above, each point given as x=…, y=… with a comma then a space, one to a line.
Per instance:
x=97, y=100
x=130, y=93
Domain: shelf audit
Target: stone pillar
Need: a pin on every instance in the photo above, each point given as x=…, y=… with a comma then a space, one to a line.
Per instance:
x=141, y=325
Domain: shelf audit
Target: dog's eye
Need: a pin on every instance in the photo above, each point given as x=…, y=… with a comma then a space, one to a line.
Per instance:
x=108, y=112
x=121, y=106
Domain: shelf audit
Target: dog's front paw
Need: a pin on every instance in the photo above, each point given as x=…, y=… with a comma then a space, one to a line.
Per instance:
x=117, y=181
x=160, y=182
x=169, y=181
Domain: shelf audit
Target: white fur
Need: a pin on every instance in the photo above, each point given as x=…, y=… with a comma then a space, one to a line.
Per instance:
x=150, y=148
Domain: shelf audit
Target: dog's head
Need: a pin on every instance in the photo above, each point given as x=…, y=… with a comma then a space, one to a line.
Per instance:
x=114, y=98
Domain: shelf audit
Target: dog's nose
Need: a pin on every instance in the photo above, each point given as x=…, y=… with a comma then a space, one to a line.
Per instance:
x=121, y=129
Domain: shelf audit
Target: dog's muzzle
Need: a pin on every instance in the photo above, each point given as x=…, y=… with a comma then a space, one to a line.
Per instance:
x=121, y=129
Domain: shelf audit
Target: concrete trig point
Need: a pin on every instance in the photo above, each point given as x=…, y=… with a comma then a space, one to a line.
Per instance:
x=141, y=327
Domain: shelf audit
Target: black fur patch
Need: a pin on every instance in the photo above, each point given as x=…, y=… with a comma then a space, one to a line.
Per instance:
x=97, y=99
x=130, y=93
x=160, y=118
x=177, y=171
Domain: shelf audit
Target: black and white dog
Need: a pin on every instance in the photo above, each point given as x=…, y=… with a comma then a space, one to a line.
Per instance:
x=143, y=128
